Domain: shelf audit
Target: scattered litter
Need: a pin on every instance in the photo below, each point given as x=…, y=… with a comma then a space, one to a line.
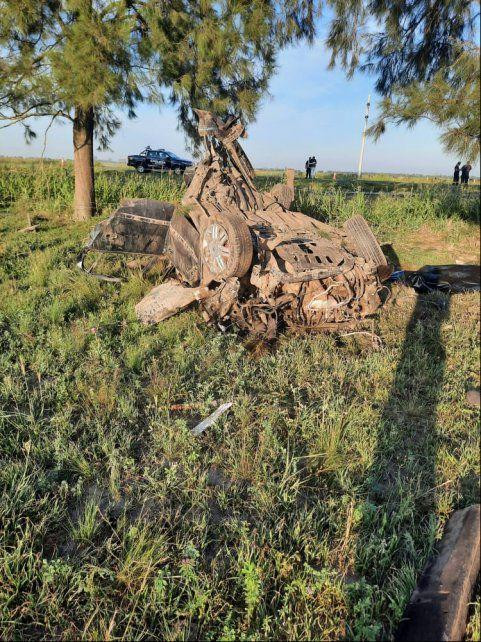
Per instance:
x=199, y=429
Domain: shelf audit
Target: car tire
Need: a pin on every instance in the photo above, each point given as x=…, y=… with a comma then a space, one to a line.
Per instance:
x=226, y=247
x=365, y=243
x=141, y=169
x=178, y=171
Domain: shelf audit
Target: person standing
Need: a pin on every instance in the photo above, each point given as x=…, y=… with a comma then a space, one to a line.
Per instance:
x=456, y=173
x=465, y=169
x=312, y=164
x=308, y=168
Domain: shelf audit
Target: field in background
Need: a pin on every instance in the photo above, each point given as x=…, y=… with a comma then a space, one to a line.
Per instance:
x=30, y=184
x=308, y=512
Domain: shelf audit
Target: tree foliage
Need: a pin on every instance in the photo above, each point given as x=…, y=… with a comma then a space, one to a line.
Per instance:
x=213, y=54
x=451, y=100
x=399, y=41
x=219, y=55
x=58, y=55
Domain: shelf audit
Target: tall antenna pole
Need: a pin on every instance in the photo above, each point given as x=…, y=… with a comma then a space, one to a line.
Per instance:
x=361, y=155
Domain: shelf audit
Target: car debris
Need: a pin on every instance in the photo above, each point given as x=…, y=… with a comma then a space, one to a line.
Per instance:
x=29, y=228
x=166, y=299
x=439, y=604
x=244, y=255
x=211, y=419
x=443, y=278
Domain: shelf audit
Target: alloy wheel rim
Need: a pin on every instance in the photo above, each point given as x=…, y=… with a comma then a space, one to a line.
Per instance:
x=215, y=248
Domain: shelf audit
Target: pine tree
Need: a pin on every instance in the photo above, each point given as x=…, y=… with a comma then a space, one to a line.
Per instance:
x=220, y=55
x=451, y=100
x=400, y=41
x=81, y=60
x=210, y=55
x=71, y=60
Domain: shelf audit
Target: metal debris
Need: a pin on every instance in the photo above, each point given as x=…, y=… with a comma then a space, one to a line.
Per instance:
x=439, y=605
x=166, y=299
x=259, y=265
x=199, y=429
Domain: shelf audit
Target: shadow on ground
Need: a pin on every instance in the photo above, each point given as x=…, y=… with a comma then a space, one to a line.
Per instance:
x=399, y=515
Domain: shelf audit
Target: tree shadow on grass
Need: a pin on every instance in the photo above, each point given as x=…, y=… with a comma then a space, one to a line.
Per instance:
x=398, y=523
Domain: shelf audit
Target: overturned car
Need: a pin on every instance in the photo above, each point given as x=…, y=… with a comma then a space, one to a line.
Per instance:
x=243, y=254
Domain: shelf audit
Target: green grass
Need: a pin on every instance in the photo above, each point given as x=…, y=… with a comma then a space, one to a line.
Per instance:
x=307, y=512
x=48, y=187
x=473, y=631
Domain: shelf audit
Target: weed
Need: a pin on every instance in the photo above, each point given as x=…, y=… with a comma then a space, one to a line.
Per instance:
x=338, y=465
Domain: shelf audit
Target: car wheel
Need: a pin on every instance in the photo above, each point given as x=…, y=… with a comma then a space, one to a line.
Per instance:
x=177, y=171
x=366, y=244
x=226, y=245
x=141, y=169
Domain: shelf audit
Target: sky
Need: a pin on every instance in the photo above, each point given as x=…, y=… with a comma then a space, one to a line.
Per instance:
x=310, y=111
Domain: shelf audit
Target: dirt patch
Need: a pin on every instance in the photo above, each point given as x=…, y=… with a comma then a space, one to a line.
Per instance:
x=449, y=246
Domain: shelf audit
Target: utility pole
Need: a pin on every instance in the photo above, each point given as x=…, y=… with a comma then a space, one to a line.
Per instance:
x=361, y=155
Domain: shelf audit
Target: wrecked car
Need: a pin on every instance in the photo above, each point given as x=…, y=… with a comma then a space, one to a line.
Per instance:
x=243, y=254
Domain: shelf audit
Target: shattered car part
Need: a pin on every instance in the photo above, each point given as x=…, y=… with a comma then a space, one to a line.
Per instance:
x=211, y=419
x=139, y=226
x=445, y=278
x=244, y=254
x=166, y=299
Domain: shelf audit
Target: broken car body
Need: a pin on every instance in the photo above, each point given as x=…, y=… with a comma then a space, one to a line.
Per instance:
x=243, y=254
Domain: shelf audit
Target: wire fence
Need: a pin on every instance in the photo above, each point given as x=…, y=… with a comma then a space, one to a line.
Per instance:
x=457, y=192
x=53, y=186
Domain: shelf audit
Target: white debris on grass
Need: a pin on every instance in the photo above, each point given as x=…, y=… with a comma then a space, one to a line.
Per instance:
x=199, y=429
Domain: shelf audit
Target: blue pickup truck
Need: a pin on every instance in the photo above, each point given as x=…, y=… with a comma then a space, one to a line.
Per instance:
x=150, y=160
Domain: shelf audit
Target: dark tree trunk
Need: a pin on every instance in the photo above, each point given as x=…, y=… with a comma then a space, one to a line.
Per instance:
x=83, y=162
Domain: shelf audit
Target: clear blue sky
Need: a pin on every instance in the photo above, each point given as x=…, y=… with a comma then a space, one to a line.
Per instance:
x=310, y=111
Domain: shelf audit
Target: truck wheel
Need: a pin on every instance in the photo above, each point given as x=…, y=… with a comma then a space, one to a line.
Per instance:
x=141, y=169
x=226, y=245
x=177, y=171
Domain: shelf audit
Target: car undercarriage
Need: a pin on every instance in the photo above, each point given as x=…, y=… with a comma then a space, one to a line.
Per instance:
x=243, y=254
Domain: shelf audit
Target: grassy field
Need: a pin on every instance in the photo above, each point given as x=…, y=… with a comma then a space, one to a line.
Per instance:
x=307, y=512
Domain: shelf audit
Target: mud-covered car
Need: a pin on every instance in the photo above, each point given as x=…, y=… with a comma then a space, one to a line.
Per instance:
x=243, y=254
